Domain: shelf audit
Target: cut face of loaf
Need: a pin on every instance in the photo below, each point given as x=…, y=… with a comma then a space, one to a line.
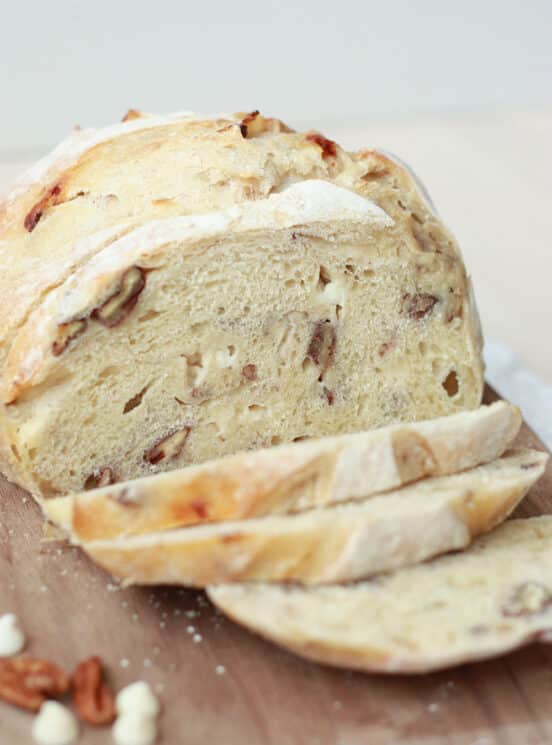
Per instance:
x=334, y=544
x=290, y=478
x=151, y=168
x=136, y=340
x=480, y=603
x=301, y=315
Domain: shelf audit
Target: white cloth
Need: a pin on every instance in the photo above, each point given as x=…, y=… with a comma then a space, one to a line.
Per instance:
x=520, y=386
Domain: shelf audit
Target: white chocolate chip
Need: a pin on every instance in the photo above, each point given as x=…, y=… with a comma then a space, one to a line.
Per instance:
x=131, y=730
x=12, y=638
x=137, y=708
x=137, y=699
x=334, y=292
x=55, y=725
x=225, y=358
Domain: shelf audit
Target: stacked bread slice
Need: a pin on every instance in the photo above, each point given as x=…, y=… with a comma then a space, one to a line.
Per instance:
x=340, y=510
x=488, y=600
x=329, y=544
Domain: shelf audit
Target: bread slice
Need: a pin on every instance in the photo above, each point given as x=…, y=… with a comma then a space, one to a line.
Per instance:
x=331, y=544
x=186, y=288
x=291, y=478
x=483, y=602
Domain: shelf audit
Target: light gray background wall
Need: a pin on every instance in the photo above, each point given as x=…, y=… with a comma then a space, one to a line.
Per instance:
x=84, y=61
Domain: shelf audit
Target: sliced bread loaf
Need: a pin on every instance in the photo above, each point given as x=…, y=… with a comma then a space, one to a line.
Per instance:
x=290, y=478
x=331, y=544
x=485, y=601
x=183, y=288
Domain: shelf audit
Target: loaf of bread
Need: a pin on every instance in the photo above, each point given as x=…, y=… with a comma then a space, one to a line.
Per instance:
x=486, y=601
x=182, y=288
x=332, y=544
x=290, y=478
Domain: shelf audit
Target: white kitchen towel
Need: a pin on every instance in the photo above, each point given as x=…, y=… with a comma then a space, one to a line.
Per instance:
x=520, y=386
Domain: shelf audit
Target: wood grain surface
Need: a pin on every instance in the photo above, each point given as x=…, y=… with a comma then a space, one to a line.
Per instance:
x=261, y=695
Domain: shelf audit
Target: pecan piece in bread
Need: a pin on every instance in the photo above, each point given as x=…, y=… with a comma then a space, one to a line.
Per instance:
x=328, y=147
x=249, y=372
x=330, y=396
x=132, y=114
x=454, y=305
x=450, y=383
x=246, y=123
x=66, y=333
x=321, y=349
x=103, y=477
x=528, y=599
x=167, y=448
x=424, y=238
x=33, y=217
x=419, y=306
x=121, y=302
x=254, y=124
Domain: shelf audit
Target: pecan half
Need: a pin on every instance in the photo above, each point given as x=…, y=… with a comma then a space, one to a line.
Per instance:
x=322, y=345
x=49, y=200
x=121, y=302
x=419, y=306
x=250, y=372
x=66, y=333
x=28, y=682
x=167, y=448
x=528, y=599
x=103, y=477
x=93, y=699
x=328, y=147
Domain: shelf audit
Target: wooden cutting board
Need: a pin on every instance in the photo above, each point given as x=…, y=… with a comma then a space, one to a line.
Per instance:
x=220, y=684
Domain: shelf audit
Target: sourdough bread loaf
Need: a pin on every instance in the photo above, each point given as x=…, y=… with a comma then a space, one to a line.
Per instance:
x=290, y=478
x=181, y=288
x=332, y=544
x=485, y=601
